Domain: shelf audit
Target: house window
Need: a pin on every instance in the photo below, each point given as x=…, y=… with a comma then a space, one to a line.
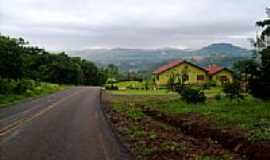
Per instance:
x=200, y=77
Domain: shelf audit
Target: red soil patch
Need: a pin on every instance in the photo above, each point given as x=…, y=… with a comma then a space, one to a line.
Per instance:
x=189, y=147
x=199, y=127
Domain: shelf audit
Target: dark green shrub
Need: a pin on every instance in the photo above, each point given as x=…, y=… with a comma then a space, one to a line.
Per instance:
x=233, y=90
x=23, y=85
x=218, y=97
x=191, y=95
x=7, y=86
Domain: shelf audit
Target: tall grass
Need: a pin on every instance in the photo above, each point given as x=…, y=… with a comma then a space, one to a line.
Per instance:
x=40, y=90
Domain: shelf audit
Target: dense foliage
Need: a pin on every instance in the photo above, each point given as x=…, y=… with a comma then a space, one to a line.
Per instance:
x=19, y=61
x=233, y=90
x=10, y=86
x=255, y=73
x=260, y=84
x=192, y=95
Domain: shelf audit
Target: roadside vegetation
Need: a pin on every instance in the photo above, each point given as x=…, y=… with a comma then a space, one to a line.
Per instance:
x=12, y=91
x=19, y=60
x=27, y=71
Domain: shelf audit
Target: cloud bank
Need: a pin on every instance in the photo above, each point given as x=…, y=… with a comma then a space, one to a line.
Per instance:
x=80, y=24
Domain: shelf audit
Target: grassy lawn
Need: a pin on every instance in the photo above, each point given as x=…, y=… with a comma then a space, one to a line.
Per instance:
x=143, y=92
x=213, y=91
x=251, y=114
x=124, y=90
x=42, y=90
x=133, y=84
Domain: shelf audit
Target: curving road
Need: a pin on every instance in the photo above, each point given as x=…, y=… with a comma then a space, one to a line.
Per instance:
x=68, y=125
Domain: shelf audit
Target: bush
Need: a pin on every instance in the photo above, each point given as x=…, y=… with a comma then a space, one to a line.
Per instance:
x=218, y=97
x=111, y=87
x=191, y=95
x=7, y=86
x=10, y=86
x=233, y=90
x=23, y=85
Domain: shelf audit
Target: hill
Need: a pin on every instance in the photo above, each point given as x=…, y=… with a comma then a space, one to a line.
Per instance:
x=147, y=59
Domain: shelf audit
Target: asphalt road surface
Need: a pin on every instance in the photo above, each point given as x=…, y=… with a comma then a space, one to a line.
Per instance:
x=68, y=125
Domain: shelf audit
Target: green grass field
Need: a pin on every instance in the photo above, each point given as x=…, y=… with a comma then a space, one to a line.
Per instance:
x=159, y=92
x=212, y=92
x=251, y=114
x=42, y=90
x=131, y=84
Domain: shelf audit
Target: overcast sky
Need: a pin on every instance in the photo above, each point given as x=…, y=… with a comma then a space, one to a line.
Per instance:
x=81, y=24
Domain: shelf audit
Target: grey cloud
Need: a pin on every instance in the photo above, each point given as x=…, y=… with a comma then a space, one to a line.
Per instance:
x=66, y=24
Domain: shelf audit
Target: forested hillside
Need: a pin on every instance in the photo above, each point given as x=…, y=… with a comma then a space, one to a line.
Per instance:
x=19, y=60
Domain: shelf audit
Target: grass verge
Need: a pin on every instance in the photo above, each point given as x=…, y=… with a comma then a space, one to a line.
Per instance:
x=42, y=90
x=159, y=92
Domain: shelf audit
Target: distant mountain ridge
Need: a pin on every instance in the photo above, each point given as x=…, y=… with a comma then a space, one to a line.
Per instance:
x=147, y=59
x=223, y=48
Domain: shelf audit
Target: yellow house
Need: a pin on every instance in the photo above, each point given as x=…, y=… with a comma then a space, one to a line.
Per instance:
x=219, y=74
x=189, y=73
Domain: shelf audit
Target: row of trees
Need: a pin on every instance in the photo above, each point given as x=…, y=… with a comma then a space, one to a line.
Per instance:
x=18, y=60
x=256, y=71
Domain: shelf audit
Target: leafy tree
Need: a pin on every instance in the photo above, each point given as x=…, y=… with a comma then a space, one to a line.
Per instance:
x=112, y=71
x=19, y=61
x=233, y=90
x=245, y=68
x=90, y=73
x=260, y=84
x=246, y=71
x=12, y=57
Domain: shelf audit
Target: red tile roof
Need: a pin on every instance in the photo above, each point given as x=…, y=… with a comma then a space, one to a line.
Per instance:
x=213, y=69
x=168, y=66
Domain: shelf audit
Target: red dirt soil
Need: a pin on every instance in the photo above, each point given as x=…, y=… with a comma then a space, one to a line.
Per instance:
x=190, y=147
x=199, y=126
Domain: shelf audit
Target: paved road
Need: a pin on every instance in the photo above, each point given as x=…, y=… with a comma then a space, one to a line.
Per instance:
x=66, y=126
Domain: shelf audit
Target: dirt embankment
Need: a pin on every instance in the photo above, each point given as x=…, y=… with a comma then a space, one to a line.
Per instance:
x=199, y=127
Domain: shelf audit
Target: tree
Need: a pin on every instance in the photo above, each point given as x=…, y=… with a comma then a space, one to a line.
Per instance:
x=246, y=71
x=12, y=57
x=90, y=73
x=260, y=84
x=112, y=71
x=233, y=90
x=19, y=61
